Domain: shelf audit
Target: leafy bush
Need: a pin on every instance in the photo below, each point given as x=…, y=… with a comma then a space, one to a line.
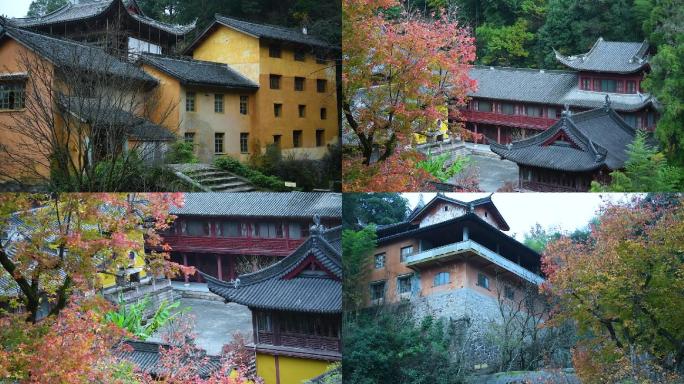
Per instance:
x=229, y=164
x=131, y=317
x=436, y=166
x=182, y=152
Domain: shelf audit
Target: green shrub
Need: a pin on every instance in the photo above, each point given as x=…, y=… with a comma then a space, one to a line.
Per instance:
x=131, y=317
x=181, y=152
x=259, y=179
x=436, y=166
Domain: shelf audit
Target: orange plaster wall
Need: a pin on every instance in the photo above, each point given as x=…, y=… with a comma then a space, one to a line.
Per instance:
x=393, y=267
x=10, y=52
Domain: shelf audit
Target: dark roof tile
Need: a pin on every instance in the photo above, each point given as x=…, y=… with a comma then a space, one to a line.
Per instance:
x=266, y=204
x=274, y=32
x=195, y=72
x=610, y=57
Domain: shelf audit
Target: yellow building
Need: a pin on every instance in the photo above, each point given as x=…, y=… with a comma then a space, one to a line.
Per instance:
x=296, y=307
x=439, y=132
x=295, y=106
x=206, y=103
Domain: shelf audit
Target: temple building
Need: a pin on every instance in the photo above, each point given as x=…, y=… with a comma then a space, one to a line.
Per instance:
x=573, y=152
x=296, y=307
x=515, y=103
x=119, y=26
x=225, y=235
x=452, y=259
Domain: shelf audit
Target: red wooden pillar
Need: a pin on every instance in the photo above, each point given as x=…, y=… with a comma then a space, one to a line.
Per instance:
x=185, y=263
x=498, y=134
x=218, y=265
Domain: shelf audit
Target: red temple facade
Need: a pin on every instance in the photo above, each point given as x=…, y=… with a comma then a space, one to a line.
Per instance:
x=225, y=235
x=511, y=104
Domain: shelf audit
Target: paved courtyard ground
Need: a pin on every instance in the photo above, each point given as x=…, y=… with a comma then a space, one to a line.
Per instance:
x=494, y=172
x=216, y=322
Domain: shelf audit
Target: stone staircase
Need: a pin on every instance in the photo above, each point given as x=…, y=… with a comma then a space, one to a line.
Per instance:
x=211, y=179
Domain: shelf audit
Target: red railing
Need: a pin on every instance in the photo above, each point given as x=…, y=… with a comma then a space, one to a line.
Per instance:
x=239, y=245
x=518, y=121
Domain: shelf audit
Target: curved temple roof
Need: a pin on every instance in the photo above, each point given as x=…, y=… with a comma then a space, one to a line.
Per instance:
x=609, y=57
x=583, y=142
x=71, y=12
x=287, y=285
x=547, y=87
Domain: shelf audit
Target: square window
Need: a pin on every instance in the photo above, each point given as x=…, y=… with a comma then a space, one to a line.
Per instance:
x=299, y=55
x=441, y=278
x=277, y=110
x=12, y=95
x=243, y=104
x=380, y=260
x=276, y=140
x=405, y=253
x=586, y=84
x=189, y=137
x=377, y=290
x=297, y=138
x=190, y=101
x=244, y=142
x=274, y=81
x=484, y=106
x=404, y=284
x=324, y=113
x=509, y=293
x=508, y=109
x=275, y=50
x=218, y=103
x=482, y=280
x=631, y=86
x=299, y=83
x=320, y=137
x=218, y=142
x=302, y=110
x=321, y=85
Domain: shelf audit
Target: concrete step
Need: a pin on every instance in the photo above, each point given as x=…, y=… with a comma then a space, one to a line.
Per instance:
x=218, y=180
x=236, y=188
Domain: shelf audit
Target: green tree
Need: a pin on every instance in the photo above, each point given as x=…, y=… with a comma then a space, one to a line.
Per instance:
x=357, y=248
x=359, y=209
x=504, y=45
x=645, y=170
x=43, y=7
x=538, y=237
x=391, y=347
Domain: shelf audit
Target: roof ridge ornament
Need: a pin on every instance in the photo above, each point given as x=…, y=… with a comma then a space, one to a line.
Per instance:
x=317, y=228
x=608, y=103
x=567, y=113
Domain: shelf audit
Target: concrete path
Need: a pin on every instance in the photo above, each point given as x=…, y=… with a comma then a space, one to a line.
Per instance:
x=216, y=322
x=494, y=172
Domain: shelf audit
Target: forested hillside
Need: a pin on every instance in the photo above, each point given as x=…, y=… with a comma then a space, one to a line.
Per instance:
x=323, y=18
x=523, y=33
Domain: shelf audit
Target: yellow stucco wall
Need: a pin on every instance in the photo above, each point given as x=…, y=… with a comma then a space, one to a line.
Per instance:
x=166, y=108
x=293, y=370
x=250, y=56
x=443, y=127
x=226, y=45
x=108, y=280
x=11, y=53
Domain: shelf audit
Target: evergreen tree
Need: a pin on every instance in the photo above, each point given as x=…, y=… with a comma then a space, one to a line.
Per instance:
x=43, y=7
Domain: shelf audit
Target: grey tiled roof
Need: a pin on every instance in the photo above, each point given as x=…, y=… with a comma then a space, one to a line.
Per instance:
x=610, y=57
x=145, y=355
x=547, y=87
x=93, y=112
x=195, y=72
x=274, y=32
x=71, y=12
x=600, y=138
x=265, y=204
x=70, y=54
x=309, y=291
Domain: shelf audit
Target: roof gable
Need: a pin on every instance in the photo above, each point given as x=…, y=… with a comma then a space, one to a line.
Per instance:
x=290, y=284
x=486, y=203
x=609, y=57
x=600, y=139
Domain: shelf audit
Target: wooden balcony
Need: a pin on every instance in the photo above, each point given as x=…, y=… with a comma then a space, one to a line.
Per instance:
x=299, y=341
x=517, y=121
x=233, y=245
